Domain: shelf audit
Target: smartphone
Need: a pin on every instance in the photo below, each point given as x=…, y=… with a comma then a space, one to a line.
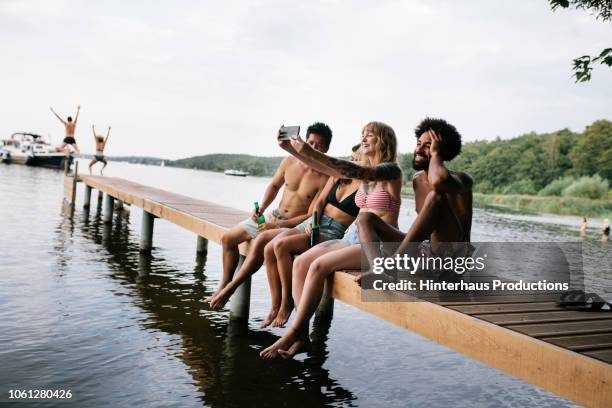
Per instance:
x=288, y=132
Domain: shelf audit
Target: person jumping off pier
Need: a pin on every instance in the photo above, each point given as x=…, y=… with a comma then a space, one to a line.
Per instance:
x=70, y=127
x=100, y=145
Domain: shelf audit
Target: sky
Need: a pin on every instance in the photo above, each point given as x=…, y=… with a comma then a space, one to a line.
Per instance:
x=185, y=78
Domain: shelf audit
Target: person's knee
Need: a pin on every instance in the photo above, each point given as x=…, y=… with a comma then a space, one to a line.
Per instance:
x=269, y=250
x=229, y=239
x=364, y=219
x=318, y=269
x=280, y=247
x=300, y=266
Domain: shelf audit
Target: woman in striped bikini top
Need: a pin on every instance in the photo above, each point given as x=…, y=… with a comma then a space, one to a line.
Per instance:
x=377, y=200
x=379, y=193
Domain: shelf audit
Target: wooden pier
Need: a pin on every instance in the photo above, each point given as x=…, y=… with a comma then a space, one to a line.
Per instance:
x=565, y=352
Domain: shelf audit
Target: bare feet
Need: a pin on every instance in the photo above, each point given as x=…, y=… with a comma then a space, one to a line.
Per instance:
x=220, y=299
x=281, y=344
x=300, y=345
x=283, y=315
x=270, y=318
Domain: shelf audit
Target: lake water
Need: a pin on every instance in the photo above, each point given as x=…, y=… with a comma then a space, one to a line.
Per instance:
x=81, y=310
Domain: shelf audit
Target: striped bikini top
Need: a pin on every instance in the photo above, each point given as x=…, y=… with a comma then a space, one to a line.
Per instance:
x=377, y=200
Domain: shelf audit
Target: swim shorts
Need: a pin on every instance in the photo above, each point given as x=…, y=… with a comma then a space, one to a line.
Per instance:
x=250, y=226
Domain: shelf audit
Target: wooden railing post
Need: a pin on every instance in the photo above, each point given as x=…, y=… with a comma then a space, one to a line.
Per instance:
x=241, y=299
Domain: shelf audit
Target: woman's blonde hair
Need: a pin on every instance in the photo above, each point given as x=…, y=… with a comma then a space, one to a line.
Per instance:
x=386, y=146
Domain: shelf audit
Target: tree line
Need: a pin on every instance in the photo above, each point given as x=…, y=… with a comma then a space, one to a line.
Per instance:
x=545, y=164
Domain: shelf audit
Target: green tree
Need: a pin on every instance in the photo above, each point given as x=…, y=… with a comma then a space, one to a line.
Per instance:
x=602, y=9
x=592, y=152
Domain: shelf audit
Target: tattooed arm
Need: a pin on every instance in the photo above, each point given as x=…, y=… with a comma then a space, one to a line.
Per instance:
x=344, y=169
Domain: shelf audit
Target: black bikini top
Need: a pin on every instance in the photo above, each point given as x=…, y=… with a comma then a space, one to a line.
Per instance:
x=347, y=205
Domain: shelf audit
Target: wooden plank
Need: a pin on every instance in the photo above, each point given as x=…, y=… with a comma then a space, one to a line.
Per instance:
x=496, y=308
x=574, y=376
x=603, y=355
x=544, y=317
x=582, y=343
x=506, y=299
x=563, y=329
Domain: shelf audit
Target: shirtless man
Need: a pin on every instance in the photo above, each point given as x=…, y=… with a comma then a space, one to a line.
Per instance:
x=70, y=128
x=443, y=198
x=100, y=145
x=302, y=187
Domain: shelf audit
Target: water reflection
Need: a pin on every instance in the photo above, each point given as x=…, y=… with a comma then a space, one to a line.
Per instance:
x=221, y=356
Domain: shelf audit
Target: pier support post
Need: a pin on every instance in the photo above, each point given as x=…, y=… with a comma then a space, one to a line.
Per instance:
x=326, y=305
x=119, y=205
x=109, y=203
x=87, y=202
x=202, y=245
x=241, y=300
x=146, y=232
x=100, y=198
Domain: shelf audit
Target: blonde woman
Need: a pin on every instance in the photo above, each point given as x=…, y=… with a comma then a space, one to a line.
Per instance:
x=379, y=193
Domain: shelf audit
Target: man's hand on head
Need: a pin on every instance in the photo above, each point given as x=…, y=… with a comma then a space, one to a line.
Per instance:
x=436, y=143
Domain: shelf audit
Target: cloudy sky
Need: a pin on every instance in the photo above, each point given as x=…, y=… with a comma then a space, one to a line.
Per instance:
x=181, y=78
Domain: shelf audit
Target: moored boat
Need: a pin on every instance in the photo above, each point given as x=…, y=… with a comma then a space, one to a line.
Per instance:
x=239, y=173
x=31, y=150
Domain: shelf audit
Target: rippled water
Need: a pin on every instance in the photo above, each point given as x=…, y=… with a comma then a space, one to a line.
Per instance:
x=80, y=309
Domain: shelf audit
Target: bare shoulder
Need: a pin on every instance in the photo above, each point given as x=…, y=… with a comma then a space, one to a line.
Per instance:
x=288, y=161
x=465, y=178
x=418, y=174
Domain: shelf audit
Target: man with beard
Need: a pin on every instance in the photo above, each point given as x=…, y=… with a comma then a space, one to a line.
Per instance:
x=443, y=200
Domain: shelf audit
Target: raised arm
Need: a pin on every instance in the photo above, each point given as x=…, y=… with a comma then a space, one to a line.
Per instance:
x=107, y=135
x=93, y=129
x=339, y=168
x=438, y=176
x=57, y=116
x=76, y=117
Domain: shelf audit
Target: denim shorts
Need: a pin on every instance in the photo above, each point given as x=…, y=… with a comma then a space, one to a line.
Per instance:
x=250, y=226
x=351, y=237
x=329, y=228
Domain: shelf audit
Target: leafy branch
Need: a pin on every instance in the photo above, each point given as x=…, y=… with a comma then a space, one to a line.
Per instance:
x=602, y=9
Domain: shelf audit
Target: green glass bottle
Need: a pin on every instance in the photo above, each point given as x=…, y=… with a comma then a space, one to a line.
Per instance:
x=314, y=233
x=261, y=219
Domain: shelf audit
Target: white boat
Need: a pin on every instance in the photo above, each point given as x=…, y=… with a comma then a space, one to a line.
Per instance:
x=31, y=150
x=239, y=173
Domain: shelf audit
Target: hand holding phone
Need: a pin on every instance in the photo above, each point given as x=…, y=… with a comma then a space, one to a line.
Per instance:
x=288, y=132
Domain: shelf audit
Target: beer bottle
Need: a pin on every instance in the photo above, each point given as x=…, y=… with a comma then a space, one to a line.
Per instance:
x=261, y=219
x=314, y=230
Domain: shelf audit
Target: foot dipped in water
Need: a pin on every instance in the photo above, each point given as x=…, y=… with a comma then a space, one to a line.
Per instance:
x=287, y=346
x=283, y=315
x=220, y=299
x=271, y=316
